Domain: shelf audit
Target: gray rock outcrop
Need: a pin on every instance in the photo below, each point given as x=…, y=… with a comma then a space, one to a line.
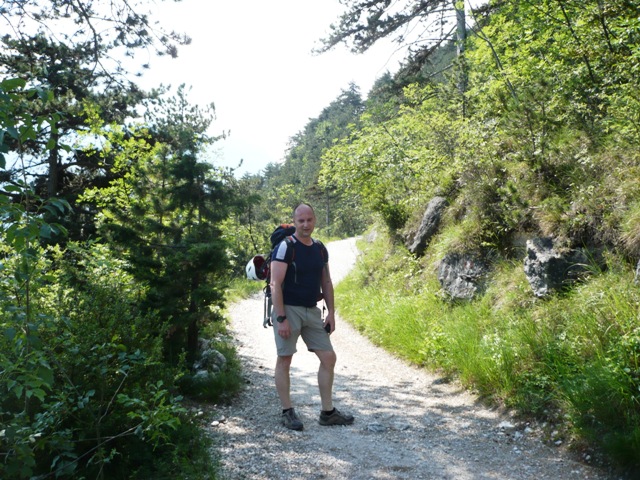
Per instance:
x=461, y=275
x=210, y=361
x=428, y=226
x=549, y=270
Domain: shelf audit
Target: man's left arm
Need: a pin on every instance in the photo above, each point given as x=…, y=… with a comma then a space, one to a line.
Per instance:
x=327, y=292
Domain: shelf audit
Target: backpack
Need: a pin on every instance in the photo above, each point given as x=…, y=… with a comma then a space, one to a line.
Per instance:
x=259, y=267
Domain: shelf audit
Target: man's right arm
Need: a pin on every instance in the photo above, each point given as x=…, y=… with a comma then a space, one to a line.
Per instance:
x=278, y=272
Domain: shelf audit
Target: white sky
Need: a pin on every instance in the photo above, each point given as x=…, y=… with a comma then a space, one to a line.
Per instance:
x=252, y=59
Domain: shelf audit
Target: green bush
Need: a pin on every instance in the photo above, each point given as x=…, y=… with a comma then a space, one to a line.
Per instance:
x=84, y=390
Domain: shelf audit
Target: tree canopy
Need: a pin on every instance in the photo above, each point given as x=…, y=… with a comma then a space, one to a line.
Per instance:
x=423, y=23
x=113, y=256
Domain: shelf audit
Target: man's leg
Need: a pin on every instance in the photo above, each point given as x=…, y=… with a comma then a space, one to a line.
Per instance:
x=283, y=381
x=325, y=377
x=328, y=414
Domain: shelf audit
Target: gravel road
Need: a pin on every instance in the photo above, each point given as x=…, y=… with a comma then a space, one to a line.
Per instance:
x=410, y=424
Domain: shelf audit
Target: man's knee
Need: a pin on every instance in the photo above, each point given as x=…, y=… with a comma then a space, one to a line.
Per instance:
x=284, y=361
x=327, y=358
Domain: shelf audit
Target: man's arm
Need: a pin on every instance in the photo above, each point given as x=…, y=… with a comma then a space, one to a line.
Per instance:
x=327, y=292
x=278, y=272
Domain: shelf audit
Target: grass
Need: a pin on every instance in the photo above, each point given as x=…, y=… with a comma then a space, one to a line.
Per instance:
x=240, y=288
x=572, y=360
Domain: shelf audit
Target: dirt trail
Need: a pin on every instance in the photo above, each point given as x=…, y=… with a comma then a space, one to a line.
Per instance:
x=409, y=423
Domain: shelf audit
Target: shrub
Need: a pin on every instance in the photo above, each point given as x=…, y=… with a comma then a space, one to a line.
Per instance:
x=89, y=395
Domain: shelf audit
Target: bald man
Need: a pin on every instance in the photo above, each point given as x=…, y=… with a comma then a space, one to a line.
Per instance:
x=299, y=279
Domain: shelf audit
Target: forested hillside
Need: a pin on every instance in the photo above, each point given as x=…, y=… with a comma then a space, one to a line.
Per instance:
x=527, y=128
x=120, y=237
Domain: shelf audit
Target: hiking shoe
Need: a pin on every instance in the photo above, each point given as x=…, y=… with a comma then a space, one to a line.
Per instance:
x=290, y=420
x=335, y=418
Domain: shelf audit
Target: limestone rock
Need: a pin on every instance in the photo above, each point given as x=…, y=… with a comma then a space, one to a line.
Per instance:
x=549, y=270
x=461, y=275
x=428, y=226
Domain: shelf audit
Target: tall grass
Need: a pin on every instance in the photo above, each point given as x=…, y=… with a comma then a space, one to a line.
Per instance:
x=240, y=288
x=573, y=359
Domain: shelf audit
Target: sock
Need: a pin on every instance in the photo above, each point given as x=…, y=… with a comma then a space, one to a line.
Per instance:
x=329, y=412
x=286, y=410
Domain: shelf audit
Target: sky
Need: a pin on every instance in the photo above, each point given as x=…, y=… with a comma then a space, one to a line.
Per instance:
x=253, y=59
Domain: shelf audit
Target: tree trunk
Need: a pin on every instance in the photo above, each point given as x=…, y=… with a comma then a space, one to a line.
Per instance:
x=192, y=341
x=54, y=170
x=192, y=329
x=461, y=40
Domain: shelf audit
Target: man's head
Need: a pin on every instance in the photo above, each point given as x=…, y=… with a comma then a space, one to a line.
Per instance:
x=304, y=219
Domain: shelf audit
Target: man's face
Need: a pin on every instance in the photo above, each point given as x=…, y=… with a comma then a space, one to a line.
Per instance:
x=305, y=221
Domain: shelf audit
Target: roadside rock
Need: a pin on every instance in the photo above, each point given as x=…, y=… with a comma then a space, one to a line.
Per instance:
x=549, y=270
x=461, y=275
x=428, y=226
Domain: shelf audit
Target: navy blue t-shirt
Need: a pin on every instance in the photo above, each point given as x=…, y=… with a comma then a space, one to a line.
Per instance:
x=303, y=280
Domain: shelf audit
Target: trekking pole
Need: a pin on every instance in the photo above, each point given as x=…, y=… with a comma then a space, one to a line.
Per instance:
x=266, y=322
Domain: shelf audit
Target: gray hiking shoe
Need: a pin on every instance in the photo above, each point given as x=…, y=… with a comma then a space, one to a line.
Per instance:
x=290, y=420
x=335, y=418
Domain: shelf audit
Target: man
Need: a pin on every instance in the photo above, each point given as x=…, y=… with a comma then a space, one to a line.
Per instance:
x=299, y=275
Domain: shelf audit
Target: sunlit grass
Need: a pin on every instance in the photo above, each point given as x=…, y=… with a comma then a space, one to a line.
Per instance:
x=240, y=288
x=573, y=359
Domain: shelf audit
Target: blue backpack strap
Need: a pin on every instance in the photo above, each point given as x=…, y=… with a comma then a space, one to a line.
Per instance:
x=324, y=252
x=290, y=255
x=291, y=258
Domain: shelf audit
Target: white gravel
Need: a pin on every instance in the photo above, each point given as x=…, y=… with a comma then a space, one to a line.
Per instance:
x=409, y=423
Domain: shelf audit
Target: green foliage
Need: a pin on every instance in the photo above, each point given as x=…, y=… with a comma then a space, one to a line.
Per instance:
x=124, y=26
x=542, y=147
x=630, y=229
x=572, y=360
x=546, y=144
x=84, y=389
x=164, y=213
x=597, y=363
x=18, y=125
x=71, y=55
x=398, y=164
x=240, y=287
x=393, y=320
x=284, y=186
x=366, y=22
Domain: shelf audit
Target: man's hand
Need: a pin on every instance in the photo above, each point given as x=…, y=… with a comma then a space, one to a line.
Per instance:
x=284, y=329
x=330, y=322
